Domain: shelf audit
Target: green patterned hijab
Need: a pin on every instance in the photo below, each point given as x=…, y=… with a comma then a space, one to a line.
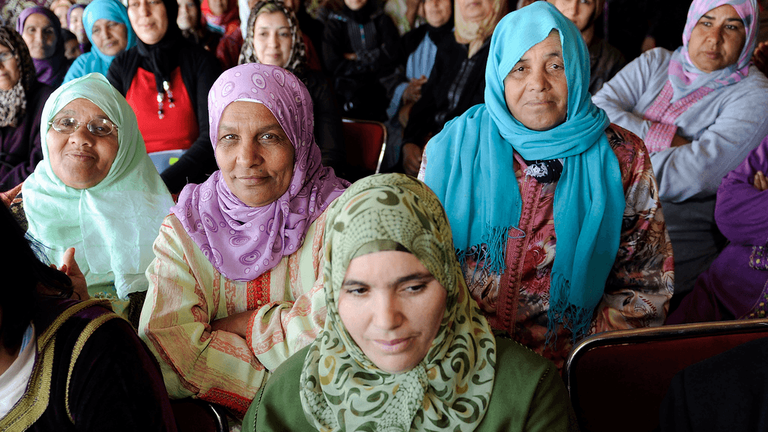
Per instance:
x=341, y=389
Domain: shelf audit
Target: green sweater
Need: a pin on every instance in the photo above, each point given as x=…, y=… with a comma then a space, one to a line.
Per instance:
x=528, y=395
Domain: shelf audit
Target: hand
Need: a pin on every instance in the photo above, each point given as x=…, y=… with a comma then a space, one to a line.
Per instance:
x=405, y=113
x=412, y=93
x=760, y=57
x=70, y=268
x=678, y=141
x=237, y=323
x=760, y=183
x=649, y=43
x=350, y=56
x=411, y=158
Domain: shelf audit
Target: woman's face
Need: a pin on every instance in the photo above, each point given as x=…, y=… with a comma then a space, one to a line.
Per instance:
x=355, y=4
x=40, y=36
x=272, y=39
x=536, y=89
x=72, y=49
x=9, y=68
x=61, y=13
x=110, y=37
x=76, y=23
x=475, y=10
x=254, y=154
x=81, y=159
x=580, y=12
x=218, y=7
x=148, y=19
x=392, y=307
x=437, y=12
x=717, y=39
x=188, y=16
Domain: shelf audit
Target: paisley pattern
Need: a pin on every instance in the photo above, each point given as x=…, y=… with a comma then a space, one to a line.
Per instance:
x=13, y=102
x=218, y=221
x=298, y=58
x=341, y=389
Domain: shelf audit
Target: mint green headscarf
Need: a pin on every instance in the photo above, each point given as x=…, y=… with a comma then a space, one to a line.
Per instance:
x=470, y=168
x=111, y=225
x=341, y=389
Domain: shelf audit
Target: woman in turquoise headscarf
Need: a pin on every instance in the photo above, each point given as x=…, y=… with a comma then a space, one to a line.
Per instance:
x=109, y=30
x=96, y=191
x=580, y=245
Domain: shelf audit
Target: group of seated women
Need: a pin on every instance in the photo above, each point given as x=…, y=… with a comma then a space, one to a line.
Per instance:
x=274, y=288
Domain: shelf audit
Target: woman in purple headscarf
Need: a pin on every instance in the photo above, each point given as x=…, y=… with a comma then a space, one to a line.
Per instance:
x=236, y=285
x=41, y=31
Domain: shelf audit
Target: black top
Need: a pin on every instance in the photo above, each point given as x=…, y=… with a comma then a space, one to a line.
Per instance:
x=328, y=132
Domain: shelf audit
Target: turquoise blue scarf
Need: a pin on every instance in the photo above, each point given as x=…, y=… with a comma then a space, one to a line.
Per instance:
x=470, y=167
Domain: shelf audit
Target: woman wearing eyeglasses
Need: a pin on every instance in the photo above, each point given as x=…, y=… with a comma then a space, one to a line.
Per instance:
x=96, y=191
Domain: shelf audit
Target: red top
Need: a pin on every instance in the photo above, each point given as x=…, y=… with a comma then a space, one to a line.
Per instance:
x=177, y=130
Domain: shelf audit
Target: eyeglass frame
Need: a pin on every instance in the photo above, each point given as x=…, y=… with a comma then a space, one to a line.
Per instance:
x=8, y=56
x=78, y=123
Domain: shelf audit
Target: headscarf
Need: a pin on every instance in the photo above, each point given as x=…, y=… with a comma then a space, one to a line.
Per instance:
x=451, y=387
x=687, y=78
x=243, y=242
x=13, y=102
x=225, y=23
x=163, y=57
x=111, y=10
x=51, y=70
x=470, y=169
x=298, y=58
x=475, y=33
x=113, y=224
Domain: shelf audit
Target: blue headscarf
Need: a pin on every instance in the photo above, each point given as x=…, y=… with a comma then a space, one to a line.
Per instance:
x=95, y=60
x=470, y=169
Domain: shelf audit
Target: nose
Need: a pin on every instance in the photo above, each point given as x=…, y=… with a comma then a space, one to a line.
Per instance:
x=715, y=34
x=571, y=10
x=249, y=155
x=81, y=136
x=387, y=314
x=537, y=79
x=143, y=8
x=273, y=39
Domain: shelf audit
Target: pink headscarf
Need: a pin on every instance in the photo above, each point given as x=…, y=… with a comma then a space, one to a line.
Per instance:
x=243, y=242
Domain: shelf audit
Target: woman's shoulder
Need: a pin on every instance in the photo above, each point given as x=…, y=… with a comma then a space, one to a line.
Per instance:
x=518, y=363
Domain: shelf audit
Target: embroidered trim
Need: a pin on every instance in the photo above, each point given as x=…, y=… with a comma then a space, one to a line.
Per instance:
x=759, y=258
x=227, y=399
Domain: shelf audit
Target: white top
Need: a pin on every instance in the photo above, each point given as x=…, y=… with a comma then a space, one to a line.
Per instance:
x=13, y=382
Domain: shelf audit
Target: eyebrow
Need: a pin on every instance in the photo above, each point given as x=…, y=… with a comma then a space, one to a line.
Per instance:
x=401, y=280
x=557, y=54
x=727, y=19
x=223, y=127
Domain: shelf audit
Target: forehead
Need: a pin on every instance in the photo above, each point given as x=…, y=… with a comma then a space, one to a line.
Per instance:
x=4, y=48
x=271, y=19
x=246, y=114
x=723, y=11
x=82, y=108
x=37, y=20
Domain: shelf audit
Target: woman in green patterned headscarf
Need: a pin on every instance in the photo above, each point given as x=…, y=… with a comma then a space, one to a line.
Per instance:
x=354, y=378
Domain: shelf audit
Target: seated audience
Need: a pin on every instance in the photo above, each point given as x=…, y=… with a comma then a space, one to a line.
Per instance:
x=554, y=210
x=75, y=25
x=604, y=59
x=67, y=364
x=110, y=32
x=193, y=27
x=735, y=285
x=166, y=79
x=236, y=284
x=700, y=111
x=95, y=190
x=221, y=16
x=21, y=106
x=42, y=33
x=71, y=45
x=404, y=345
x=404, y=87
x=360, y=46
x=456, y=82
x=274, y=38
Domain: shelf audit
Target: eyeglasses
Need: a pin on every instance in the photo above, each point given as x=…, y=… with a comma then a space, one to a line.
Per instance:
x=100, y=127
x=6, y=56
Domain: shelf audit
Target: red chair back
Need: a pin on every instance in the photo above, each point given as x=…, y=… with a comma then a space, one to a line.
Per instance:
x=365, y=142
x=194, y=415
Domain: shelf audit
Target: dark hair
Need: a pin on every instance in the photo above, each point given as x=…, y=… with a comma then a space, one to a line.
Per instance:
x=67, y=35
x=23, y=273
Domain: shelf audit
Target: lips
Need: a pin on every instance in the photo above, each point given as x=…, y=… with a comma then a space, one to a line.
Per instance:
x=80, y=156
x=394, y=346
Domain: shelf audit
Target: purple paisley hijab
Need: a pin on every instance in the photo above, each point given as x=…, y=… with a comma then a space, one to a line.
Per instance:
x=243, y=242
x=51, y=70
x=685, y=77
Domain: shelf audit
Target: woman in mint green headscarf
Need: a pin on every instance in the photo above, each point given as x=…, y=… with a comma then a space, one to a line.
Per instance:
x=404, y=346
x=554, y=212
x=96, y=189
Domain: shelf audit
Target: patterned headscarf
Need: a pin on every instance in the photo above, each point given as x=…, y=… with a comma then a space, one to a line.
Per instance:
x=451, y=387
x=13, y=102
x=687, y=78
x=51, y=70
x=113, y=224
x=298, y=58
x=476, y=33
x=470, y=170
x=243, y=242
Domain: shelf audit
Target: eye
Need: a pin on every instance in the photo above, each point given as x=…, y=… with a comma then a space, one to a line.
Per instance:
x=416, y=288
x=356, y=291
x=285, y=34
x=67, y=122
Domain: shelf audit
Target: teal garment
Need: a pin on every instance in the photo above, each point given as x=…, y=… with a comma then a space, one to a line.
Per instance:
x=528, y=395
x=470, y=169
x=113, y=224
x=95, y=60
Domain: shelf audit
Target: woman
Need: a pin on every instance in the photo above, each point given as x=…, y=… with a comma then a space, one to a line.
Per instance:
x=96, y=190
x=75, y=25
x=21, y=105
x=65, y=364
x=110, y=32
x=221, y=16
x=404, y=345
x=579, y=246
x=456, y=82
x=41, y=31
x=700, y=112
x=274, y=38
x=235, y=287
x=193, y=26
x=60, y=8
x=166, y=79
x=735, y=285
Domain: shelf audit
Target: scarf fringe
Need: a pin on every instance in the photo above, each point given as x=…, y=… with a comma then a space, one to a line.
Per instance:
x=576, y=319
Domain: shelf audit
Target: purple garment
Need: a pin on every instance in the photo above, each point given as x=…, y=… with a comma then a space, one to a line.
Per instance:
x=20, y=149
x=243, y=242
x=51, y=70
x=734, y=286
